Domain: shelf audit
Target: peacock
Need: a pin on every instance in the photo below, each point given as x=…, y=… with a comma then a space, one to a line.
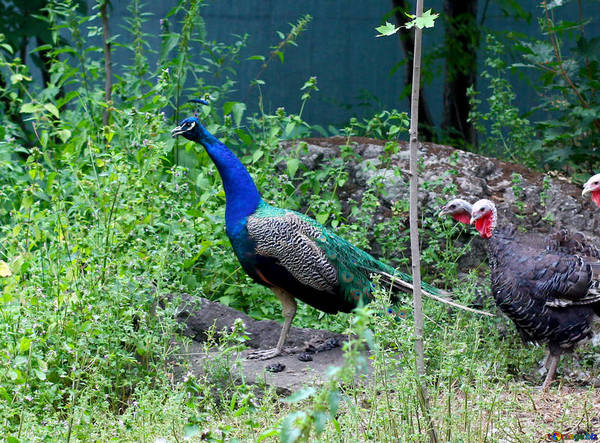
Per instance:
x=289, y=252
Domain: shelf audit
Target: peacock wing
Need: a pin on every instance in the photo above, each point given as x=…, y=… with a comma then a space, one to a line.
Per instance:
x=291, y=241
x=313, y=254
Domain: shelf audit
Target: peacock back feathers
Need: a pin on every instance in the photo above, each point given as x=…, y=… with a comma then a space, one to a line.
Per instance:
x=317, y=257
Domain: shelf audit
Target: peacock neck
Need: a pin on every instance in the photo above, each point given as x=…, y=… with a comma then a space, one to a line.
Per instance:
x=241, y=195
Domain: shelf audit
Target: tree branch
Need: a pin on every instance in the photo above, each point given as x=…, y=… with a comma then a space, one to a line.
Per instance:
x=414, y=228
x=407, y=42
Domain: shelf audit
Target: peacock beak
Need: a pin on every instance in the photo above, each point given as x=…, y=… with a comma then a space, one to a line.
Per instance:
x=177, y=131
x=443, y=212
x=473, y=219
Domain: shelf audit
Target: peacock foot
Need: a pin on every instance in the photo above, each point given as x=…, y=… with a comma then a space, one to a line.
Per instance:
x=266, y=354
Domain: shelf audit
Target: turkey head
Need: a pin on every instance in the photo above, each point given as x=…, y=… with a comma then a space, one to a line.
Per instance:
x=593, y=187
x=459, y=209
x=483, y=216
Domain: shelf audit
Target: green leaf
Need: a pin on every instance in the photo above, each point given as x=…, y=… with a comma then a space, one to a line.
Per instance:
x=292, y=166
x=227, y=107
x=41, y=375
x=385, y=30
x=24, y=345
x=321, y=419
x=266, y=434
x=16, y=78
x=288, y=129
x=238, y=112
x=257, y=155
x=52, y=109
x=29, y=108
x=244, y=136
x=334, y=402
x=4, y=269
x=289, y=431
x=300, y=395
x=322, y=218
x=64, y=135
x=427, y=20
x=256, y=57
x=7, y=48
x=190, y=431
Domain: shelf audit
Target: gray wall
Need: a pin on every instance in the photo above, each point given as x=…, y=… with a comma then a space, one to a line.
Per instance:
x=352, y=66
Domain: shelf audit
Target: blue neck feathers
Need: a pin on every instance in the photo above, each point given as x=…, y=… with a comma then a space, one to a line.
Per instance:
x=242, y=197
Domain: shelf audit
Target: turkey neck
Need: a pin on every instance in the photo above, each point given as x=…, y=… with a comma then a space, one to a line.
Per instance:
x=241, y=195
x=499, y=245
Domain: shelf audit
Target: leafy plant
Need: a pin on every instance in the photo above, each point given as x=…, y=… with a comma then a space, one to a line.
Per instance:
x=507, y=134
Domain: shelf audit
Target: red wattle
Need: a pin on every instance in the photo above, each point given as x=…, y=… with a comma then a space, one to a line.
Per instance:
x=462, y=217
x=484, y=226
x=596, y=197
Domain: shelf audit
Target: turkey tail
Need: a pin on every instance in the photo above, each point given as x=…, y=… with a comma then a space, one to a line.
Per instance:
x=443, y=297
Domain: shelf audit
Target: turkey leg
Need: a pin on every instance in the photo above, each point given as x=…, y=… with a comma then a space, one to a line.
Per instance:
x=552, y=362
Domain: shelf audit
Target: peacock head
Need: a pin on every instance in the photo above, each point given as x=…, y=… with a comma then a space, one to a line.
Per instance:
x=191, y=128
x=459, y=209
x=483, y=216
x=593, y=186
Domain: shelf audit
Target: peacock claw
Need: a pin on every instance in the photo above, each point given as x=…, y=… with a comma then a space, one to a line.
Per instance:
x=266, y=354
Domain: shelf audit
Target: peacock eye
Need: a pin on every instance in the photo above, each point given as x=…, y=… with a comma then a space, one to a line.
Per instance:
x=452, y=206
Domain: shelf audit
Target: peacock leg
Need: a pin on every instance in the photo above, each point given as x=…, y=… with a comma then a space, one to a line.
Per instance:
x=288, y=305
x=553, y=360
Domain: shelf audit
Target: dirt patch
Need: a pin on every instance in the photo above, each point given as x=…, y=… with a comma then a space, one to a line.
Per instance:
x=200, y=314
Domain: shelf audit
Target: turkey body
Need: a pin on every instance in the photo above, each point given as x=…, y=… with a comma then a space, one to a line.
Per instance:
x=566, y=242
x=551, y=297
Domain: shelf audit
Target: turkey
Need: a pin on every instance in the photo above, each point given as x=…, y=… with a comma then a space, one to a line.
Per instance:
x=288, y=252
x=551, y=297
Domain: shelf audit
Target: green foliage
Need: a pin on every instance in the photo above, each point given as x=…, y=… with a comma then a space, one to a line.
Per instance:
x=563, y=127
x=505, y=133
x=568, y=76
x=426, y=20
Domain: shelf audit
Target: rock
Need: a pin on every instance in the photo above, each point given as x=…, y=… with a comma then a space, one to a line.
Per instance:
x=275, y=367
x=199, y=314
x=305, y=356
x=536, y=202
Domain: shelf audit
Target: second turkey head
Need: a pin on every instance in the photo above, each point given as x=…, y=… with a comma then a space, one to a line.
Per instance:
x=593, y=187
x=483, y=216
x=459, y=209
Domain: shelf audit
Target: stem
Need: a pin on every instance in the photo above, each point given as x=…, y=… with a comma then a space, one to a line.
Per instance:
x=550, y=25
x=107, y=228
x=414, y=195
x=107, y=61
x=414, y=228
